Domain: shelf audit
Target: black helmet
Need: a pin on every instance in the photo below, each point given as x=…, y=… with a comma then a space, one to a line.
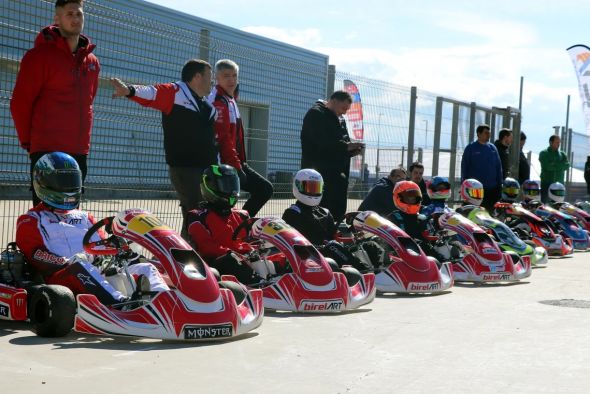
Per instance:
x=220, y=186
x=57, y=180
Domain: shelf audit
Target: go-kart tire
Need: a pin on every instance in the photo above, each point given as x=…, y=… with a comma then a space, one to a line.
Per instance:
x=52, y=310
x=238, y=291
x=353, y=276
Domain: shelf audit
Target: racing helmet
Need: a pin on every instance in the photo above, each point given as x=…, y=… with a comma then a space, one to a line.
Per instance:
x=407, y=197
x=472, y=191
x=220, y=186
x=308, y=186
x=556, y=192
x=57, y=180
x=439, y=188
x=531, y=190
x=510, y=190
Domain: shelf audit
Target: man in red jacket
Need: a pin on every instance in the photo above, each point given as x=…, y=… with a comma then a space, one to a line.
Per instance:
x=52, y=100
x=230, y=136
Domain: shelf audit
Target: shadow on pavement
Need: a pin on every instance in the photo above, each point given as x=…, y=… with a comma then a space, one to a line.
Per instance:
x=412, y=295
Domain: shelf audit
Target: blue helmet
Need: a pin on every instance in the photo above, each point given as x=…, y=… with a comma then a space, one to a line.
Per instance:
x=57, y=180
x=439, y=188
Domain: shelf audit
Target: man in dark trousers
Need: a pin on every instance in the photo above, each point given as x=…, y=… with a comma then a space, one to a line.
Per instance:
x=524, y=168
x=230, y=136
x=502, y=144
x=587, y=174
x=481, y=161
x=57, y=81
x=187, y=121
x=326, y=147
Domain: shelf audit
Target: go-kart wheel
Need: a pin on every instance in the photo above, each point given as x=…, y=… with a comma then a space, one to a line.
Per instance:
x=353, y=276
x=333, y=264
x=107, y=247
x=52, y=310
x=238, y=291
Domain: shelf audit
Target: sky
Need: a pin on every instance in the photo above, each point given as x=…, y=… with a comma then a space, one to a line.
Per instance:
x=469, y=50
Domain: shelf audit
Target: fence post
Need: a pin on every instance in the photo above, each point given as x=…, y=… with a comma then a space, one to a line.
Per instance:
x=454, y=136
x=412, y=125
x=472, y=122
x=331, y=80
x=437, y=127
x=204, y=45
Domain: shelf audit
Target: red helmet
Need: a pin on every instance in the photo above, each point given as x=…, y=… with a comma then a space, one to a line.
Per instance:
x=407, y=197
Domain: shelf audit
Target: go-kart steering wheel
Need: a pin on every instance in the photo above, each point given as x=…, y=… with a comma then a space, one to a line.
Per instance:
x=109, y=246
x=245, y=225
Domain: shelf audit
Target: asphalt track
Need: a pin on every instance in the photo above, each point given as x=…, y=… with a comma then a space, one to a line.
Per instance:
x=475, y=339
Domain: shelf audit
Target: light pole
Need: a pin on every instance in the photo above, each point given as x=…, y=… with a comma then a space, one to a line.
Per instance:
x=378, y=146
x=425, y=133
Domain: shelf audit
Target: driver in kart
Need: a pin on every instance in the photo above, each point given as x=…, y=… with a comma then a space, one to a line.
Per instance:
x=211, y=227
x=50, y=235
x=317, y=223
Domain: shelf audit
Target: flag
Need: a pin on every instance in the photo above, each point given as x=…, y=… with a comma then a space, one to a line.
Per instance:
x=580, y=55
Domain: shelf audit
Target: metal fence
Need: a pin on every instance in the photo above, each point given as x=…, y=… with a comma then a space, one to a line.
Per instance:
x=142, y=43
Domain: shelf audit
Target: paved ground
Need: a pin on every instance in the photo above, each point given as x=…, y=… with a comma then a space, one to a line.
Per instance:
x=486, y=339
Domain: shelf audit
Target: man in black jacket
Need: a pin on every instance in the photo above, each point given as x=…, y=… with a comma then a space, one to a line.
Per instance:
x=524, y=168
x=417, y=176
x=380, y=198
x=326, y=147
x=503, y=144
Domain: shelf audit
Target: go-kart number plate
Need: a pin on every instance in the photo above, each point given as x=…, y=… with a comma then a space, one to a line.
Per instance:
x=208, y=332
x=143, y=224
x=273, y=228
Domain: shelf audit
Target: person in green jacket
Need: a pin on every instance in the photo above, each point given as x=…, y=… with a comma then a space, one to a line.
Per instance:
x=554, y=163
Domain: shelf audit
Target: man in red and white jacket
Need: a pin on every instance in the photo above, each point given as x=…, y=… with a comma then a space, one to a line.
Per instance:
x=187, y=121
x=56, y=84
x=230, y=136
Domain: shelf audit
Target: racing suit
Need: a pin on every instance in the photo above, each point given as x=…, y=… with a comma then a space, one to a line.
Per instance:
x=230, y=137
x=51, y=241
x=211, y=233
x=416, y=226
x=317, y=225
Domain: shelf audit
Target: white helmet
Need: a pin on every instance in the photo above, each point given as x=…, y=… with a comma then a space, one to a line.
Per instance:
x=556, y=192
x=308, y=186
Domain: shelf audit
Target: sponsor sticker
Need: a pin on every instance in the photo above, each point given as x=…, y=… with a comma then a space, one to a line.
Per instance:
x=430, y=286
x=496, y=276
x=319, y=306
x=208, y=332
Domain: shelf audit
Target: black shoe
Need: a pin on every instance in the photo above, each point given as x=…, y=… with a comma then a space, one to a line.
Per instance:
x=142, y=287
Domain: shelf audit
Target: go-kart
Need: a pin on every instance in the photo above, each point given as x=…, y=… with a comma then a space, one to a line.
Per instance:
x=506, y=238
x=294, y=276
x=566, y=225
x=476, y=256
x=196, y=308
x=580, y=215
x=407, y=269
x=529, y=226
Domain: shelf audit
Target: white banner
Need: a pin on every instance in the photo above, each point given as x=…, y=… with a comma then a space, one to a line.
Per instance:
x=580, y=55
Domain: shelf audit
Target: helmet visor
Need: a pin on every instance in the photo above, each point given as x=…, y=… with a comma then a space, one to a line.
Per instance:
x=558, y=192
x=531, y=192
x=227, y=185
x=310, y=187
x=411, y=197
x=440, y=187
x=476, y=193
x=61, y=180
x=511, y=191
